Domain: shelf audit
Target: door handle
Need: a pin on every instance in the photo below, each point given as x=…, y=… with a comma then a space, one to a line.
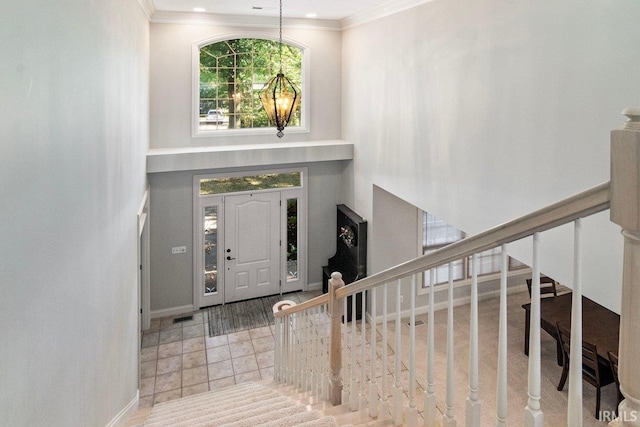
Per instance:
x=229, y=258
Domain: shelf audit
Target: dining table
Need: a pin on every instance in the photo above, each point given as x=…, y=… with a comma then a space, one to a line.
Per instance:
x=600, y=325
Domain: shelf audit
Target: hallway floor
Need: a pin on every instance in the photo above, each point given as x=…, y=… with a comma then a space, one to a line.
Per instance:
x=180, y=359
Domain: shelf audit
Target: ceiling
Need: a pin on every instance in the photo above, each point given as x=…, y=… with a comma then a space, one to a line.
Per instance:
x=324, y=9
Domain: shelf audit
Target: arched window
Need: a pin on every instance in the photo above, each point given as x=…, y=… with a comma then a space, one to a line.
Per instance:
x=231, y=75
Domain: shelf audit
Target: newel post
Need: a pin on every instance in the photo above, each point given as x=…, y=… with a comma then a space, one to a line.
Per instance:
x=625, y=211
x=335, y=342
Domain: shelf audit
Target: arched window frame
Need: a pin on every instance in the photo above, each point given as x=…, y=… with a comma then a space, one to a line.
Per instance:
x=196, y=132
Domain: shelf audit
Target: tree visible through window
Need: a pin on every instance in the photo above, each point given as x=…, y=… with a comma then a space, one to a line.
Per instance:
x=232, y=74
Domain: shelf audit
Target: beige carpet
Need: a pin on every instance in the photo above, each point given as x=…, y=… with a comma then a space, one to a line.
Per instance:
x=245, y=405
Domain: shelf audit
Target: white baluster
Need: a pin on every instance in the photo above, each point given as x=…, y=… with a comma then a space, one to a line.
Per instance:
x=299, y=360
x=373, y=388
x=344, y=329
x=363, y=346
x=501, y=389
x=288, y=349
x=353, y=389
x=313, y=363
x=533, y=413
x=574, y=410
x=384, y=399
x=448, y=419
x=276, y=349
x=302, y=379
x=335, y=340
x=325, y=354
x=472, y=418
x=319, y=356
x=397, y=386
x=312, y=350
x=296, y=348
x=412, y=414
x=429, y=393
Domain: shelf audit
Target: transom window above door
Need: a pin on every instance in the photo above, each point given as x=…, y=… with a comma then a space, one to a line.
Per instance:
x=234, y=184
x=231, y=74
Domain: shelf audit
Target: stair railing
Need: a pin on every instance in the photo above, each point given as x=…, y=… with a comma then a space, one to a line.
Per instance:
x=317, y=323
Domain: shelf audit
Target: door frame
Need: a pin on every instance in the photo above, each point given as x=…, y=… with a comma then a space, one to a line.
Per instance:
x=144, y=263
x=200, y=202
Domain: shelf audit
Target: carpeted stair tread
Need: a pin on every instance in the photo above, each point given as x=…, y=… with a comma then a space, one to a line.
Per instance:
x=321, y=422
x=243, y=389
x=192, y=416
x=259, y=418
x=220, y=406
x=244, y=405
x=305, y=419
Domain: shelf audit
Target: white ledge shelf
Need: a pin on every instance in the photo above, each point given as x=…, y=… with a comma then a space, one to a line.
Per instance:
x=232, y=156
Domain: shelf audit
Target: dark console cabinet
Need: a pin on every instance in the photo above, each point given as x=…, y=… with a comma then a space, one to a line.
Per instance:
x=350, y=258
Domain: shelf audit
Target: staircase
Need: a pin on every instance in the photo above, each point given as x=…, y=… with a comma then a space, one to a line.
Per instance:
x=250, y=404
x=368, y=381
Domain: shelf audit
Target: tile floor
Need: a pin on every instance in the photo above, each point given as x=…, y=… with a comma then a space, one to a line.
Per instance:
x=180, y=359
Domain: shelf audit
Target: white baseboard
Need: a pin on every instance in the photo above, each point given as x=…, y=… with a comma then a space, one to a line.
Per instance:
x=314, y=286
x=126, y=413
x=173, y=311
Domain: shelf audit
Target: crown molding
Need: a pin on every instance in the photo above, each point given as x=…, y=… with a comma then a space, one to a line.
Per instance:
x=386, y=9
x=194, y=18
x=147, y=7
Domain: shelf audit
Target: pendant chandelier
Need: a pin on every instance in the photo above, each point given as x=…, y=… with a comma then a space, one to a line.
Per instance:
x=280, y=97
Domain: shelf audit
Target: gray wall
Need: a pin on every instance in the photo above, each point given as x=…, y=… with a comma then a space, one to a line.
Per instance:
x=171, y=225
x=74, y=135
x=482, y=112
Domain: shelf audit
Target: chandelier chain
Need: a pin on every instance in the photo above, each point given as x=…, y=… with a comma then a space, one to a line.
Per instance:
x=280, y=46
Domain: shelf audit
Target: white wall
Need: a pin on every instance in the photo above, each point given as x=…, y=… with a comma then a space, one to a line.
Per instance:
x=74, y=134
x=171, y=83
x=481, y=112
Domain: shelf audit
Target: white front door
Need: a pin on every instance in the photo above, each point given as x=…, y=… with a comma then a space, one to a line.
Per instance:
x=252, y=245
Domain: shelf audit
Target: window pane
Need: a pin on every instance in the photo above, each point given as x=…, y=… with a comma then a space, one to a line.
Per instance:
x=249, y=183
x=437, y=232
x=489, y=261
x=292, y=239
x=232, y=74
x=211, y=249
x=440, y=274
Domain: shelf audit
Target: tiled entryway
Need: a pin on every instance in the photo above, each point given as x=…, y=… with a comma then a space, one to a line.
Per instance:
x=180, y=359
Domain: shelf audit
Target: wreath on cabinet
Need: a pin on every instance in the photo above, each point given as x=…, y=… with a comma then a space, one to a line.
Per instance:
x=348, y=236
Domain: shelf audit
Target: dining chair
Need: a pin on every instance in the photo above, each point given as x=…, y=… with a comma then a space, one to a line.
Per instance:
x=547, y=287
x=613, y=362
x=593, y=372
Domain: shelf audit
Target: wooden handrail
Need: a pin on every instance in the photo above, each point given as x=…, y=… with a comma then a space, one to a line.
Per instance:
x=580, y=205
x=314, y=302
